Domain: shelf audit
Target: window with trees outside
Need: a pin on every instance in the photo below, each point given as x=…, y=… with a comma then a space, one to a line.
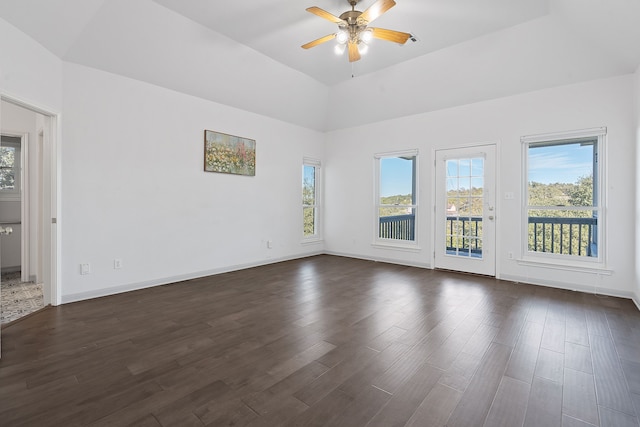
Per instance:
x=396, y=201
x=9, y=166
x=310, y=198
x=564, y=192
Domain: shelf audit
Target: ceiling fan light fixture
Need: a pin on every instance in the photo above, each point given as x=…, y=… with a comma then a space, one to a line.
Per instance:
x=342, y=36
x=366, y=36
x=354, y=33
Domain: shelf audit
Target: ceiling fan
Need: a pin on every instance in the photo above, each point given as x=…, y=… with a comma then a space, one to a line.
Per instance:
x=353, y=31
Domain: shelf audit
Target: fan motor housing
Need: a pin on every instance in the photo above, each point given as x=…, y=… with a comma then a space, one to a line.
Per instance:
x=355, y=25
x=351, y=16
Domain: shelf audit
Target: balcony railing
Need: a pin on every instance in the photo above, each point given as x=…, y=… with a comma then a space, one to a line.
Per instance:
x=400, y=227
x=568, y=236
x=464, y=235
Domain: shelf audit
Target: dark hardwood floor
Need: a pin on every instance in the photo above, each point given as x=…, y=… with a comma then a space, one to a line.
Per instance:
x=327, y=341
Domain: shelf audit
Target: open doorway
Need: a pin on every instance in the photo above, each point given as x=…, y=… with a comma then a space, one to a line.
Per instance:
x=21, y=291
x=27, y=283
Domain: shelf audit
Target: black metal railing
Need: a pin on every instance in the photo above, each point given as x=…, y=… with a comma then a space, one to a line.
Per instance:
x=400, y=227
x=464, y=234
x=569, y=236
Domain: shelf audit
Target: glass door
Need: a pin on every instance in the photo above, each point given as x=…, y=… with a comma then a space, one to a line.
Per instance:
x=465, y=210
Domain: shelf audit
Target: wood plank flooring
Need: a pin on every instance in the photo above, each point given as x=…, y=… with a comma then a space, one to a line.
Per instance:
x=327, y=341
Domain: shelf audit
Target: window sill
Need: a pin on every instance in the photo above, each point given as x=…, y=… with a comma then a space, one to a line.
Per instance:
x=593, y=268
x=409, y=247
x=311, y=241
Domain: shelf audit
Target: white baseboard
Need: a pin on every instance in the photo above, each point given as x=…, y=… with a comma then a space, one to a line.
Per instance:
x=570, y=286
x=179, y=278
x=380, y=259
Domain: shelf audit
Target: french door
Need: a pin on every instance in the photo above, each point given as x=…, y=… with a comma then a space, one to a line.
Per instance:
x=465, y=213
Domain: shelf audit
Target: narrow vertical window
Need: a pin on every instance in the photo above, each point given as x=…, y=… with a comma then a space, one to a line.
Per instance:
x=310, y=198
x=396, y=201
x=564, y=190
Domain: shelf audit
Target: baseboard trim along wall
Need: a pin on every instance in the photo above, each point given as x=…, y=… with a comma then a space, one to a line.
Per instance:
x=570, y=287
x=103, y=292
x=180, y=278
x=380, y=259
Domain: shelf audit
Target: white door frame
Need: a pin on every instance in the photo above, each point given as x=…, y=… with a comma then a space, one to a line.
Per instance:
x=479, y=146
x=51, y=198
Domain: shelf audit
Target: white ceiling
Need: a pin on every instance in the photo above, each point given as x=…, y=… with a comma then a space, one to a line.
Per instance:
x=247, y=53
x=278, y=28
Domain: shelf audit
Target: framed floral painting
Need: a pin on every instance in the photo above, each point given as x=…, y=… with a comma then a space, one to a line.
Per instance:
x=229, y=154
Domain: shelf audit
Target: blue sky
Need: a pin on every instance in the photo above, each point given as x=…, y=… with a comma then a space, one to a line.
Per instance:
x=560, y=163
x=547, y=165
x=396, y=176
x=309, y=174
x=465, y=173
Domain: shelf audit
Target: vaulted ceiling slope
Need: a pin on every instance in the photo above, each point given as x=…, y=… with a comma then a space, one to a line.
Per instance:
x=246, y=54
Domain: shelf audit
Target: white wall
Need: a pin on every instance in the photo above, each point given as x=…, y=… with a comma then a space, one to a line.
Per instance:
x=637, y=170
x=133, y=186
x=349, y=174
x=28, y=71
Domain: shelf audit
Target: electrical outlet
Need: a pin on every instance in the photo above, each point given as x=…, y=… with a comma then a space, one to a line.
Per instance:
x=117, y=264
x=510, y=255
x=85, y=268
x=269, y=244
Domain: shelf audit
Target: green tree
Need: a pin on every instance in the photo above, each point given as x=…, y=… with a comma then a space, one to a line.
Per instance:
x=561, y=237
x=582, y=192
x=395, y=205
x=309, y=201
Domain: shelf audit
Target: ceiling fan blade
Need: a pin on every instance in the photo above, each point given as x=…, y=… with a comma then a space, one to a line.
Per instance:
x=390, y=35
x=319, y=41
x=324, y=14
x=354, y=53
x=376, y=9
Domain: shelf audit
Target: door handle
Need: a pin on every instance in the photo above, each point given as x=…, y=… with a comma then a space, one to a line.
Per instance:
x=6, y=230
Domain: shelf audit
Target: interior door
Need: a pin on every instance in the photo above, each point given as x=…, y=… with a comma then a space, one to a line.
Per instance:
x=465, y=210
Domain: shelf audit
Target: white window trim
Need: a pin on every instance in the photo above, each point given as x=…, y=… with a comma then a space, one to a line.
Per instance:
x=407, y=245
x=317, y=237
x=572, y=262
x=15, y=195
